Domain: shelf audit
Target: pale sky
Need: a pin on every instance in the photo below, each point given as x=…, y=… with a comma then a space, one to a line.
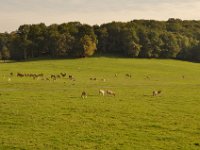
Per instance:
x=14, y=13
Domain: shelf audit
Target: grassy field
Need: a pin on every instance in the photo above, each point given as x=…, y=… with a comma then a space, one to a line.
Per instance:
x=40, y=114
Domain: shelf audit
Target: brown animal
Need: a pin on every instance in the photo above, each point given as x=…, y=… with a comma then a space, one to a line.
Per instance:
x=20, y=75
x=93, y=79
x=155, y=93
x=129, y=75
x=53, y=76
x=147, y=77
x=83, y=95
x=40, y=75
x=70, y=77
x=109, y=92
x=63, y=74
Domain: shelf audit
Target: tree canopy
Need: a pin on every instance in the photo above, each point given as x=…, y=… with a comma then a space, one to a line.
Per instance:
x=175, y=38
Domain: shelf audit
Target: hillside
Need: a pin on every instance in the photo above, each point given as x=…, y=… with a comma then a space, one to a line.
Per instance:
x=36, y=113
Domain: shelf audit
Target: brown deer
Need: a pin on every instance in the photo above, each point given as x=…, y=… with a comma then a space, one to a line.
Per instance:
x=109, y=92
x=83, y=95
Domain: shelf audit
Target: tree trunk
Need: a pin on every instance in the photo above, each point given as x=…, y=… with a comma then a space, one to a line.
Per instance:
x=25, y=54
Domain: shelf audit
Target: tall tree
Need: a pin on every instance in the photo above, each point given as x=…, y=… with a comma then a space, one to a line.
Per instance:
x=130, y=42
x=25, y=43
x=5, y=53
x=88, y=45
x=170, y=46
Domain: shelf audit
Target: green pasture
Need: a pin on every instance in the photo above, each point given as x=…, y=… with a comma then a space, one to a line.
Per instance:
x=51, y=115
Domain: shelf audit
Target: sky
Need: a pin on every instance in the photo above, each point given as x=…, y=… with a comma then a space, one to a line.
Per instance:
x=14, y=13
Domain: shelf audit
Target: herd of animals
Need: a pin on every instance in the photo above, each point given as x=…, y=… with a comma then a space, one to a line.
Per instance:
x=84, y=94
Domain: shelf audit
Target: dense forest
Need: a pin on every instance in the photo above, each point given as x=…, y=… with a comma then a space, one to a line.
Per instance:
x=175, y=38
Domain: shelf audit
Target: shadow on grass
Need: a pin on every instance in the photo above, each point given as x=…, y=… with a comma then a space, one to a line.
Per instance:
x=115, y=55
x=89, y=95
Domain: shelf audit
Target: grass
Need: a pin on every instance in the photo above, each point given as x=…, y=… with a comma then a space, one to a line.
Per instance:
x=36, y=114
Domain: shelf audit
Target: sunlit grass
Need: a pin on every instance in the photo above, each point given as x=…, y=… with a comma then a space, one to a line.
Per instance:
x=38, y=114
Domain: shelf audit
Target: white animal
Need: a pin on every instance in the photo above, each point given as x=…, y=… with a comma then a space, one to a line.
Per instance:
x=9, y=79
x=102, y=92
x=155, y=93
x=104, y=80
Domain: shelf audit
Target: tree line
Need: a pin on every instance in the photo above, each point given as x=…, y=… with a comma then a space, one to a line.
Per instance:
x=175, y=38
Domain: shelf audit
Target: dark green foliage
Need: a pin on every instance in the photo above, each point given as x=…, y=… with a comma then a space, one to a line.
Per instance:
x=174, y=25
x=102, y=36
x=4, y=46
x=5, y=53
x=84, y=42
x=194, y=53
x=138, y=38
x=130, y=42
x=170, y=46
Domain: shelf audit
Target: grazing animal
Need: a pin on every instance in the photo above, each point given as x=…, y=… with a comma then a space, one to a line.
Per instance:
x=9, y=79
x=83, y=94
x=93, y=79
x=53, y=76
x=129, y=75
x=104, y=80
x=20, y=75
x=155, y=93
x=34, y=76
x=58, y=76
x=63, y=74
x=40, y=75
x=11, y=74
x=102, y=92
x=70, y=77
x=109, y=92
x=147, y=77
